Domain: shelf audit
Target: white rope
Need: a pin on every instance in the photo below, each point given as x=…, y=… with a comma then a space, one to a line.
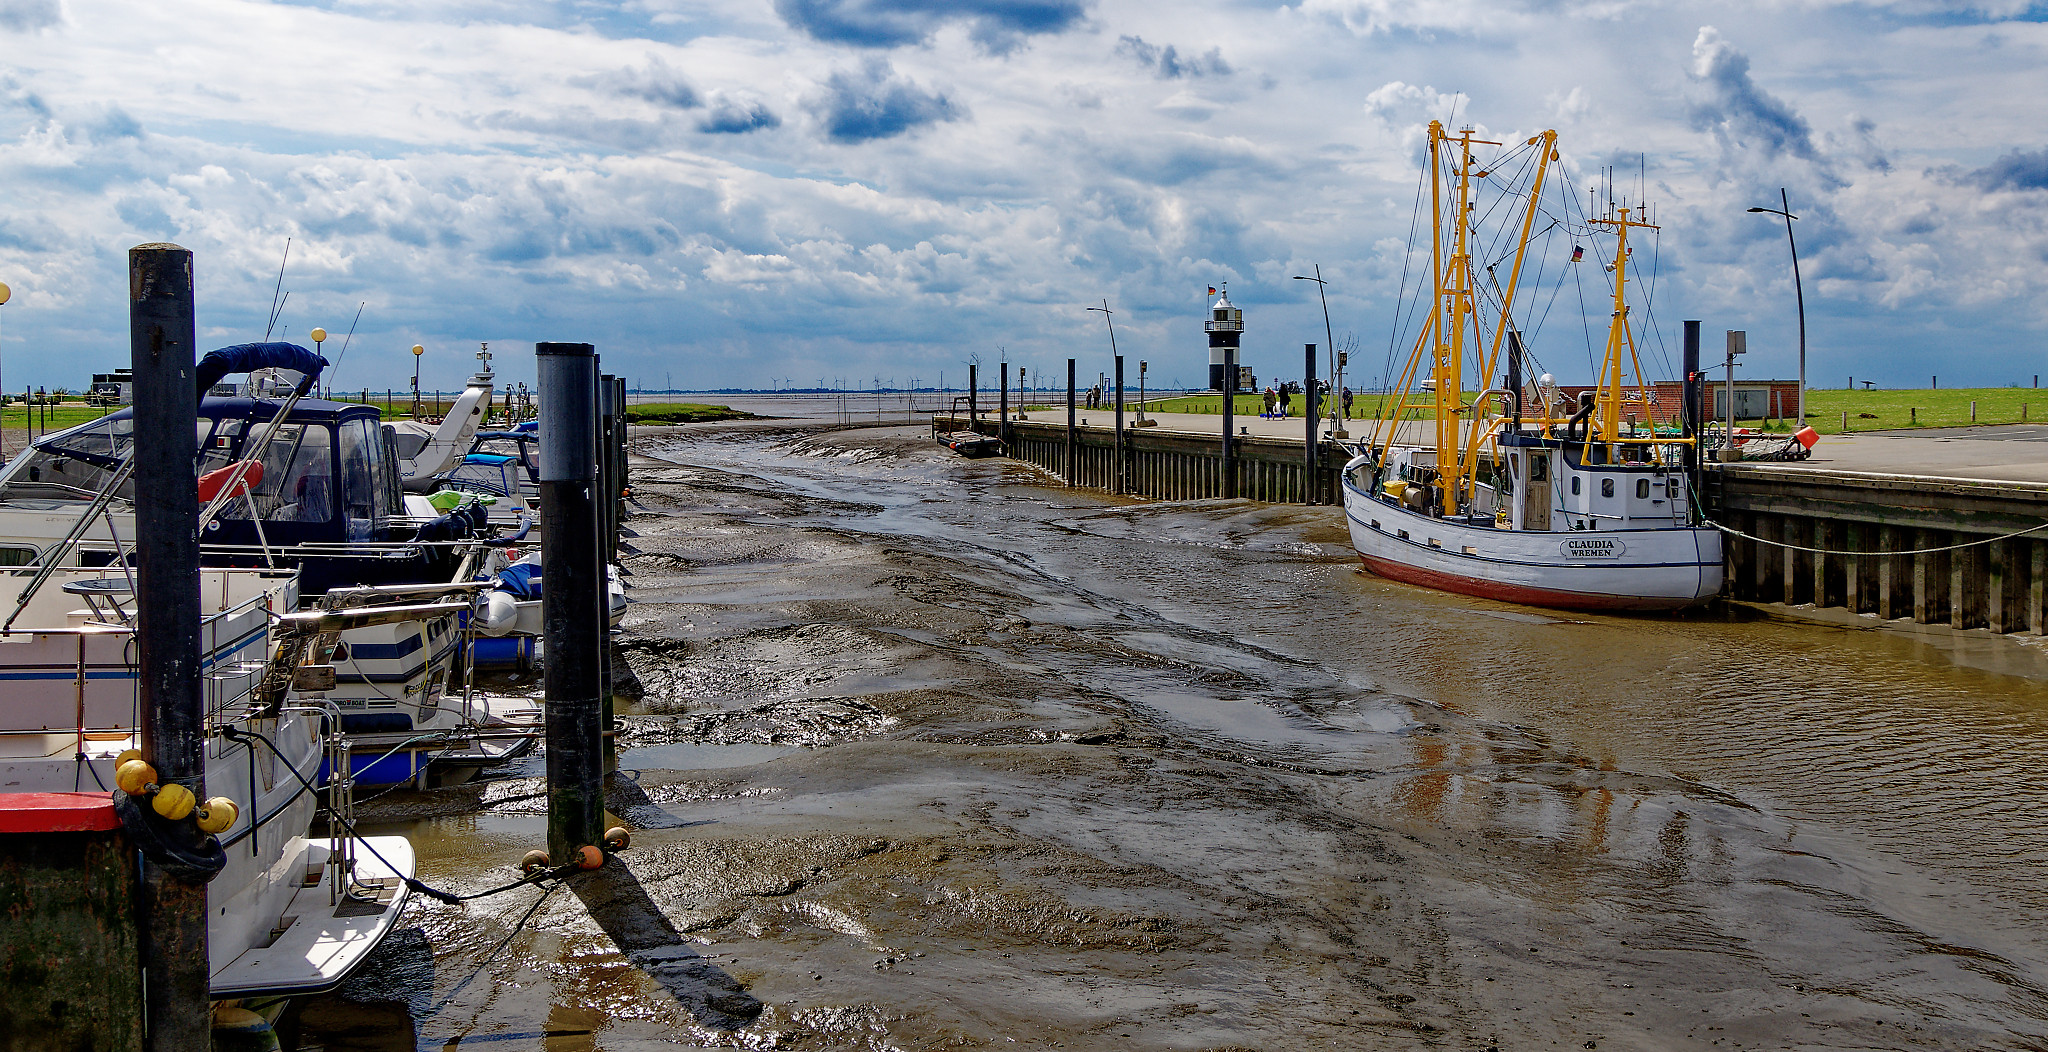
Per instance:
x=1731, y=531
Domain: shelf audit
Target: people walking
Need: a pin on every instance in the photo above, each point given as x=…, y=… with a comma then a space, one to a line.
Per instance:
x=1285, y=398
x=1347, y=403
x=1267, y=394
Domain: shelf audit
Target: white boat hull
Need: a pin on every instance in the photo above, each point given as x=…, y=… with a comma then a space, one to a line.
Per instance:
x=1663, y=568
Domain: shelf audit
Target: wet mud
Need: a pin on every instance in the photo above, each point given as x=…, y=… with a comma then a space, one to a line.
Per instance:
x=923, y=753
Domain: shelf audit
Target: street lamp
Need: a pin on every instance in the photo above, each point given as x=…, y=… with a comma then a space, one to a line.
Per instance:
x=417, y=350
x=1336, y=373
x=1797, y=291
x=5, y=295
x=319, y=336
x=1142, y=365
x=1106, y=312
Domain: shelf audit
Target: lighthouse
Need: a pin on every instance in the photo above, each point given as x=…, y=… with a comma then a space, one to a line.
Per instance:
x=1225, y=326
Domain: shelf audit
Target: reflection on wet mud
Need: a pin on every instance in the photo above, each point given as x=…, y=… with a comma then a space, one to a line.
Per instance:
x=926, y=754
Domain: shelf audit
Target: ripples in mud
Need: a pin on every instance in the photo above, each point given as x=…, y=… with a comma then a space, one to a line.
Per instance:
x=929, y=756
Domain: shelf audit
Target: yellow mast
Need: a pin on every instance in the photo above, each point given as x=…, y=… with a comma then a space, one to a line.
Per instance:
x=1507, y=295
x=1456, y=312
x=1613, y=375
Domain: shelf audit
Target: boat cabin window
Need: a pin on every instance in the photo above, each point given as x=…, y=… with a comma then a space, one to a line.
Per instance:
x=1642, y=489
x=12, y=556
x=363, y=493
x=1607, y=487
x=1539, y=469
x=1575, y=485
x=298, y=469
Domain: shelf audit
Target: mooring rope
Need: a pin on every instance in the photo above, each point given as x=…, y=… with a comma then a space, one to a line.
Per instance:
x=1733, y=532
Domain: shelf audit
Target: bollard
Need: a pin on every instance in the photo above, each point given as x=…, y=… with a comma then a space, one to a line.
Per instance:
x=574, y=592
x=163, y=344
x=973, y=383
x=1845, y=421
x=1073, y=437
x=1003, y=405
x=1122, y=452
x=1973, y=410
x=1229, y=422
x=1915, y=411
x=1308, y=451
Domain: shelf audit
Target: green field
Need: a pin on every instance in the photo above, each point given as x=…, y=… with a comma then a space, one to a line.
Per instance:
x=681, y=413
x=1888, y=410
x=1867, y=410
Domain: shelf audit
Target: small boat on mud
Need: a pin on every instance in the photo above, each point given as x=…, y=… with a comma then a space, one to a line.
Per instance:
x=1515, y=495
x=970, y=443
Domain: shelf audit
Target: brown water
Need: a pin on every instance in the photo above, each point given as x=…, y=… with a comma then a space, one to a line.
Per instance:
x=933, y=756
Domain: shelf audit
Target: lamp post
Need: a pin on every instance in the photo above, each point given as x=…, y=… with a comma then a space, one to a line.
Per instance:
x=1336, y=370
x=417, y=350
x=319, y=336
x=1797, y=291
x=5, y=295
x=1142, y=366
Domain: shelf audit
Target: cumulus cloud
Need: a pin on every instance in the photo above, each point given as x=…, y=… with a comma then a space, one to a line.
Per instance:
x=875, y=102
x=654, y=82
x=734, y=114
x=26, y=16
x=1166, y=62
x=2018, y=170
x=998, y=26
x=1741, y=115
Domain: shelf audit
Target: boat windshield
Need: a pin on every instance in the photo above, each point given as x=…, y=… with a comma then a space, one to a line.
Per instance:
x=298, y=470
x=74, y=464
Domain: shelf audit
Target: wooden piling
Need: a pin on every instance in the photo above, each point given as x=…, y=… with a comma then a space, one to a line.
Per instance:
x=169, y=676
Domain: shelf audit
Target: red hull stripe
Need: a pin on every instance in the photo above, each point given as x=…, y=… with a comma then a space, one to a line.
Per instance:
x=1514, y=593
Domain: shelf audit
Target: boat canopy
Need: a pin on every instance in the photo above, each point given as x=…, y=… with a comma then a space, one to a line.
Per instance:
x=249, y=357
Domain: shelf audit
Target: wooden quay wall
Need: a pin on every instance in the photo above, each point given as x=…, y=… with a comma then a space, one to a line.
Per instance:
x=1886, y=544
x=1170, y=465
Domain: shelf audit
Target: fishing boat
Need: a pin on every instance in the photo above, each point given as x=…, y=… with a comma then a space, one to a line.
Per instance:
x=1509, y=492
x=285, y=914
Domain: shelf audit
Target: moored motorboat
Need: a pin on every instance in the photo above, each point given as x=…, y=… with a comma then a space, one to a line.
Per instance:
x=281, y=918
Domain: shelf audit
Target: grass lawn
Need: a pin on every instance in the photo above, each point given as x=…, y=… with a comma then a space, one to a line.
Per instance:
x=1867, y=410
x=1889, y=410
x=681, y=413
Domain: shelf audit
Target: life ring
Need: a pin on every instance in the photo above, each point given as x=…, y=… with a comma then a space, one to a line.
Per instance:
x=178, y=847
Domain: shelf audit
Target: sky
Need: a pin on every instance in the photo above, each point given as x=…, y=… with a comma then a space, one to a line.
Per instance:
x=756, y=193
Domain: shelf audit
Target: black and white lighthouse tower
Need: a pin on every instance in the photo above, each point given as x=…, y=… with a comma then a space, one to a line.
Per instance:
x=1225, y=326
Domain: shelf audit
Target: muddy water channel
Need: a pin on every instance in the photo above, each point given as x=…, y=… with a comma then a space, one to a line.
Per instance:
x=928, y=754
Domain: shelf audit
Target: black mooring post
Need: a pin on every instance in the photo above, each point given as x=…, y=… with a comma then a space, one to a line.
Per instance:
x=1003, y=404
x=1308, y=455
x=973, y=382
x=1230, y=422
x=1073, y=435
x=1689, y=394
x=610, y=433
x=163, y=341
x=1122, y=450
x=1515, y=378
x=573, y=600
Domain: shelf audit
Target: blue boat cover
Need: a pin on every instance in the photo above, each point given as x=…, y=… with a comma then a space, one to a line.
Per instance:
x=521, y=579
x=492, y=459
x=248, y=357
